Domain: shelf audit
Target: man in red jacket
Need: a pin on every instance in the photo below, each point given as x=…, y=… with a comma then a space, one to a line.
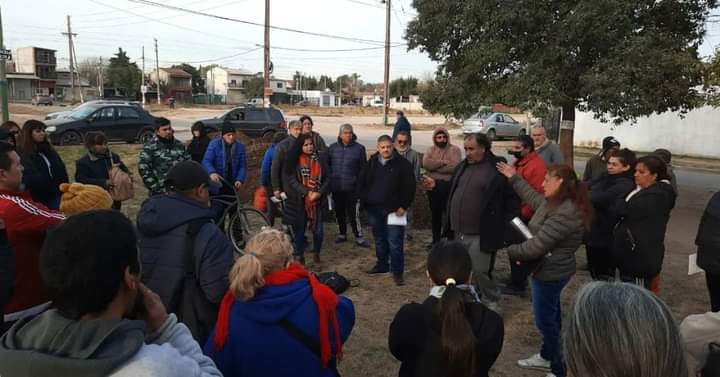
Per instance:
x=26, y=223
x=532, y=169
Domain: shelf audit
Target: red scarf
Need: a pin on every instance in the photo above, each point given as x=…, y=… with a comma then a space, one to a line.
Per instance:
x=325, y=299
x=311, y=175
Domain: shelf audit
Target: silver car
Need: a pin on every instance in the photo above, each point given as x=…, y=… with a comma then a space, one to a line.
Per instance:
x=494, y=125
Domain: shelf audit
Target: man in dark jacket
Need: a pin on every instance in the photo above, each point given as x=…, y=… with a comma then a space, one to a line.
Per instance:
x=280, y=156
x=402, y=124
x=266, y=174
x=606, y=191
x=597, y=164
x=166, y=224
x=708, y=242
x=347, y=160
x=225, y=157
x=387, y=187
x=480, y=207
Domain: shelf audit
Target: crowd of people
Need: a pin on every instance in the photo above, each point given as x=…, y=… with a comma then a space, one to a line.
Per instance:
x=87, y=292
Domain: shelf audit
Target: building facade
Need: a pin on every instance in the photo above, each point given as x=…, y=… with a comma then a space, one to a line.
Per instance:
x=229, y=83
x=40, y=62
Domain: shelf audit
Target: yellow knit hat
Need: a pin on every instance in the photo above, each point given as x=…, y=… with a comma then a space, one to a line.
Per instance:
x=78, y=197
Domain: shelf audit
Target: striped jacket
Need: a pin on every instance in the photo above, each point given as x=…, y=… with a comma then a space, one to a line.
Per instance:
x=26, y=223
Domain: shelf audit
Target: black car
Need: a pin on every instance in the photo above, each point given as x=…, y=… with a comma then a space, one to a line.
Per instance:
x=118, y=122
x=252, y=121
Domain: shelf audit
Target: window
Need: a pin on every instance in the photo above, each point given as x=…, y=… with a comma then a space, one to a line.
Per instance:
x=499, y=118
x=104, y=114
x=256, y=115
x=236, y=115
x=276, y=115
x=509, y=119
x=127, y=113
x=279, y=85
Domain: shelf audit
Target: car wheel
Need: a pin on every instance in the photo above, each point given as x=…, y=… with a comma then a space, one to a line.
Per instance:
x=70, y=138
x=491, y=135
x=145, y=136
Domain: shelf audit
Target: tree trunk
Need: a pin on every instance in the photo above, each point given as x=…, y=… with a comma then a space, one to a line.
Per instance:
x=567, y=129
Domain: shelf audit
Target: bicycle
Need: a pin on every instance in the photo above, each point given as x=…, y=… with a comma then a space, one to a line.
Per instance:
x=239, y=222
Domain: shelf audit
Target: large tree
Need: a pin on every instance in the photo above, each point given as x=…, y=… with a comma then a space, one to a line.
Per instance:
x=619, y=59
x=404, y=87
x=255, y=87
x=123, y=75
x=89, y=69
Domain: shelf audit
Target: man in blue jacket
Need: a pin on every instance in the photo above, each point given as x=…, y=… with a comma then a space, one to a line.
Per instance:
x=266, y=175
x=225, y=157
x=347, y=160
x=165, y=224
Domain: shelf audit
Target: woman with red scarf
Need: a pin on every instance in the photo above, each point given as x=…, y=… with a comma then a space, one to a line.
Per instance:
x=306, y=180
x=277, y=319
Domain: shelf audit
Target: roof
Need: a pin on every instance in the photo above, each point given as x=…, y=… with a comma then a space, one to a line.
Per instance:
x=22, y=76
x=176, y=72
x=237, y=71
x=37, y=48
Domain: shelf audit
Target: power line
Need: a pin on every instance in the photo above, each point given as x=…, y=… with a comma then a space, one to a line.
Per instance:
x=337, y=50
x=101, y=25
x=352, y=39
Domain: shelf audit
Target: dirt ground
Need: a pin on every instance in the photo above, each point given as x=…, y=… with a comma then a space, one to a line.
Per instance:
x=377, y=299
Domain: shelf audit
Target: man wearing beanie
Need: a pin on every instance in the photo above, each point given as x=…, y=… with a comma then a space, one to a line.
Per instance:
x=597, y=165
x=159, y=155
x=78, y=198
x=182, y=252
x=25, y=224
x=225, y=157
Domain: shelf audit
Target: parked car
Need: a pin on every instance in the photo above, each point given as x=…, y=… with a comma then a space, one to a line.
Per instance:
x=118, y=122
x=62, y=114
x=494, y=125
x=252, y=121
x=42, y=100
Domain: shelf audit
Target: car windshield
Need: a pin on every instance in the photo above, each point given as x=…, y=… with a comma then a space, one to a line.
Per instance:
x=83, y=112
x=480, y=115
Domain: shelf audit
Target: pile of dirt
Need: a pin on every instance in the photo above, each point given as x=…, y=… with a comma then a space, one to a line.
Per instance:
x=254, y=152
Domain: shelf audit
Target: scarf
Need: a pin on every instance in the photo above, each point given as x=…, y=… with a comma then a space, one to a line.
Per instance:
x=438, y=290
x=325, y=299
x=311, y=176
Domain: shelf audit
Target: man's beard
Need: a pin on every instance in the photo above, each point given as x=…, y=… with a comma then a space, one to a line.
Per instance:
x=441, y=144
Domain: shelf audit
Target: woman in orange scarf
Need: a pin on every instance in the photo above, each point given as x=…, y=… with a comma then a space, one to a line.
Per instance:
x=306, y=180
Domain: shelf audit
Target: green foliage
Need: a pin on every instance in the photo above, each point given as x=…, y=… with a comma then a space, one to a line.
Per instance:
x=255, y=87
x=617, y=58
x=123, y=75
x=404, y=87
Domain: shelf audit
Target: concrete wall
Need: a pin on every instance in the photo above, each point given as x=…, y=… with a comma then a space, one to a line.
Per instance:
x=21, y=90
x=25, y=60
x=695, y=135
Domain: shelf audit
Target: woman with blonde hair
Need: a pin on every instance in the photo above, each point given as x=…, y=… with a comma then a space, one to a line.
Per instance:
x=277, y=318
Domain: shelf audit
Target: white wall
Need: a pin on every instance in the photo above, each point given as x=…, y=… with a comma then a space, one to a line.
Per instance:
x=698, y=134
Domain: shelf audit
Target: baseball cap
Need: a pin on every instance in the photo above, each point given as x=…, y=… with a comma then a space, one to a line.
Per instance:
x=187, y=175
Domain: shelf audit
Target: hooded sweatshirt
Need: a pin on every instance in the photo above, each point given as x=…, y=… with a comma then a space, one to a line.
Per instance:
x=51, y=345
x=255, y=333
x=439, y=162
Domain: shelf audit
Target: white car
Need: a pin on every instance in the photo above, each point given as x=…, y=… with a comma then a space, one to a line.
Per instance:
x=494, y=125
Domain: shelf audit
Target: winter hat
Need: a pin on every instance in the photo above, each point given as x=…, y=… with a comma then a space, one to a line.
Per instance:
x=78, y=197
x=610, y=142
x=664, y=155
x=227, y=129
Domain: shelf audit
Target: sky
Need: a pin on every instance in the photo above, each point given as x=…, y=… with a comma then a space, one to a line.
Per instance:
x=102, y=26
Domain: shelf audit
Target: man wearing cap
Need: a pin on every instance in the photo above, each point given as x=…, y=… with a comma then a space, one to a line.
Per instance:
x=597, y=164
x=179, y=222
x=159, y=155
x=225, y=158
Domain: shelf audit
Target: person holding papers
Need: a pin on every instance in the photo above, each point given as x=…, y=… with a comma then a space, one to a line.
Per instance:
x=480, y=207
x=386, y=189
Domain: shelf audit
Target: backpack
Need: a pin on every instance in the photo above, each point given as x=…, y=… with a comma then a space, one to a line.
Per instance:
x=121, y=184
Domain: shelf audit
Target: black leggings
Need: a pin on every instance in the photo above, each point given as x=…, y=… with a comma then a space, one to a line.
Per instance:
x=346, y=208
x=438, y=198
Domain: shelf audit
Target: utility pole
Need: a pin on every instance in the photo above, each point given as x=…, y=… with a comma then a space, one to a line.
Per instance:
x=82, y=98
x=3, y=80
x=386, y=91
x=142, y=81
x=101, y=82
x=70, y=51
x=157, y=72
x=267, y=91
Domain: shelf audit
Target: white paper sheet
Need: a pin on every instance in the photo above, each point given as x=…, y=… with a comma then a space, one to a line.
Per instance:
x=692, y=265
x=394, y=219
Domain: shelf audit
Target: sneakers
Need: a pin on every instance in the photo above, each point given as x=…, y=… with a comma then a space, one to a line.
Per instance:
x=340, y=238
x=535, y=362
x=362, y=242
x=398, y=279
x=378, y=270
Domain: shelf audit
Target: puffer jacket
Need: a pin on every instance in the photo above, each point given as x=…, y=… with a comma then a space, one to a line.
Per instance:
x=346, y=163
x=162, y=226
x=605, y=193
x=639, y=238
x=557, y=234
x=708, y=237
x=214, y=161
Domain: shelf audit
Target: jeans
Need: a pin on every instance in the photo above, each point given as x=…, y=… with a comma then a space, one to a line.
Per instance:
x=546, y=309
x=389, y=241
x=346, y=209
x=482, y=266
x=318, y=233
x=438, y=198
x=713, y=284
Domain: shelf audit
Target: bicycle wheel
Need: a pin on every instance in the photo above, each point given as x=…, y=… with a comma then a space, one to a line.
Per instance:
x=244, y=224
